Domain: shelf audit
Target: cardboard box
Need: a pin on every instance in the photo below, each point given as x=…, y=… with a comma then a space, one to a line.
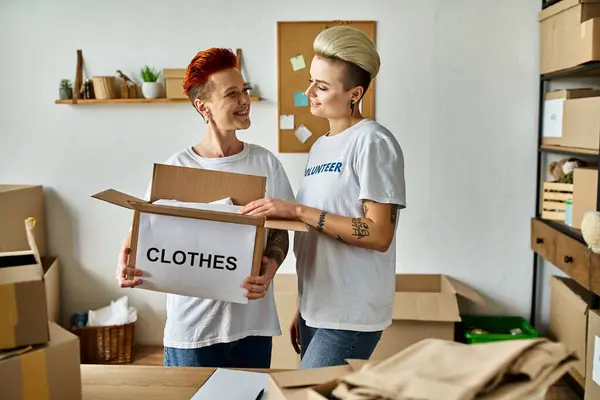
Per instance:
x=553, y=119
x=17, y=203
x=425, y=306
x=174, y=82
x=51, y=268
x=50, y=372
x=285, y=289
x=592, y=376
x=196, y=252
x=569, y=34
x=581, y=124
x=585, y=185
x=23, y=307
x=568, y=317
x=296, y=385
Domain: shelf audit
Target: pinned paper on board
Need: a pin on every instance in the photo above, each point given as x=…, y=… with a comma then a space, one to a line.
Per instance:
x=303, y=133
x=286, y=121
x=298, y=62
x=300, y=99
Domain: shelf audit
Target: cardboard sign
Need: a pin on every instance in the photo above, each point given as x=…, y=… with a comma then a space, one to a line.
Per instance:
x=178, y=256
x=186, y=246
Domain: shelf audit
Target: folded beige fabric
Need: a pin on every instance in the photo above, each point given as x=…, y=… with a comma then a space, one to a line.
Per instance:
x=435, y=369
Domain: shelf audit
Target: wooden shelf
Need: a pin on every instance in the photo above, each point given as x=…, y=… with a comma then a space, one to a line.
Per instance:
x=565, y=229
x=565, y=248
x=568, y=150
x=131, y=101
x=585, y=70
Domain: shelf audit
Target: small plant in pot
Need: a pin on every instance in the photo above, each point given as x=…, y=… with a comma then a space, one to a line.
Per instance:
x=151, y=89
x=66, y=90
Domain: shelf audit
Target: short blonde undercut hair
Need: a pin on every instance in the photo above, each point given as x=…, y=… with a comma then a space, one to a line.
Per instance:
x=356, y=49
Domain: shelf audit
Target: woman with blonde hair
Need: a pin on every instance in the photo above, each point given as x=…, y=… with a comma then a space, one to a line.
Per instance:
x=352, y=191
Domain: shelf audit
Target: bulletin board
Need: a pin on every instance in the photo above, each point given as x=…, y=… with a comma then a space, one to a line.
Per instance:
x=294, y=55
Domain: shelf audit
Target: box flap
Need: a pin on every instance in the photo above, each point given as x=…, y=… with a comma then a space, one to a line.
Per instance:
x=561, y=6
x=196, y=185
x=463, y=290
x=357, y=364
x=177, y=73
x=59, y=335
x=199, y=214
x=571, y=292
x=309, y=377
x=23, y=257
x=117, y=198
x=22, y=273
x=286, y=225
x=441, y=307
x=29, y=227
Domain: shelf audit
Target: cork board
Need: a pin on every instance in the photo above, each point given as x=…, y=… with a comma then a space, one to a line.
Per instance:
x=296, y=39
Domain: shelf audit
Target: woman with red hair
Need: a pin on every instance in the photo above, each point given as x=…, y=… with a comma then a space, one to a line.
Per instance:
x=210, y=333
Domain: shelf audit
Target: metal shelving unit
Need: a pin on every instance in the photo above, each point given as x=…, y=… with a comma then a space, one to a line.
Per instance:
x=587, y=70
x=591, y=69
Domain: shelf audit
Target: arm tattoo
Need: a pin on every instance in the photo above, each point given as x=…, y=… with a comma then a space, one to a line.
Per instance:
x=339, y=238
x=321, y=223
x=365, y=209
x=278, y=245
x=361, y=229
x=394, y=213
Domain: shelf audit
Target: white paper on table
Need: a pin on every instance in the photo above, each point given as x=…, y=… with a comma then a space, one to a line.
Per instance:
x=303, y=133
x=553, y=118
x=194, y=257
x=596, y=362
x=286, y=121
x=227, y=384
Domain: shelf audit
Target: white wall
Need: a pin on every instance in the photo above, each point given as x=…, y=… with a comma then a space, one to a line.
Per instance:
x=458, y=87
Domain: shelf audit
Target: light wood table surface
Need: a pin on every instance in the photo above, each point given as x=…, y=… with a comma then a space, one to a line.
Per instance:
x=131, y=382
x=147, y=379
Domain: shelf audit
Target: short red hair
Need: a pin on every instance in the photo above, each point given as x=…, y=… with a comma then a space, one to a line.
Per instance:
x=202, y=66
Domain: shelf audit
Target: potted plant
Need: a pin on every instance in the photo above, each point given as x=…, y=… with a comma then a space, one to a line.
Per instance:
x=66, y=90
x=151, y=89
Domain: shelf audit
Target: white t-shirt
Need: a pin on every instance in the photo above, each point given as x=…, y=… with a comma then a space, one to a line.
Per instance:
x=343, y=286
x=193, y=322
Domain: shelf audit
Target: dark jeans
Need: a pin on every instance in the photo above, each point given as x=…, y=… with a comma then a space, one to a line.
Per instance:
x=330, y=347
x=250, y=352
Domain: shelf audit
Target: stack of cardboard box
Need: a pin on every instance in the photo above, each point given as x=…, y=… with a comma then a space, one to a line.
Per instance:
x=38, y=358
x=570, y=38
x=569, y=34
x=575, y=324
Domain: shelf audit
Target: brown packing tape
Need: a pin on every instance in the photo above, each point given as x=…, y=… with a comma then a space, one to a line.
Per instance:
x=10, y=316
x=34, y=376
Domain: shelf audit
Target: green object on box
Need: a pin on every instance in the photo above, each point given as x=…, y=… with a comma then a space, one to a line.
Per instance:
x=496, y=328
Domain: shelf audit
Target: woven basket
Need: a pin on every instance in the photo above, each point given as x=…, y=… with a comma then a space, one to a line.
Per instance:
x=105, y=344
x=105, y=87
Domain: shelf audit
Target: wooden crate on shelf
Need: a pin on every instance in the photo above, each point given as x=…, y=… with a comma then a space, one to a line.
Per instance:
x=554, y=200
